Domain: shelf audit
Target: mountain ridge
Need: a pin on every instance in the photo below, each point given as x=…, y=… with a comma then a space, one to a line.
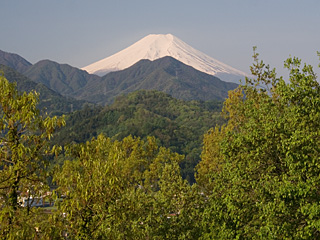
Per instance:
x=61, y=78
x=165, y=74
x=49, y=100
x=155, y=46
x=14, y=61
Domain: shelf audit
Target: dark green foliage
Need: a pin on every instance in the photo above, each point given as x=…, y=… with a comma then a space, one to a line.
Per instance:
x=178, y=125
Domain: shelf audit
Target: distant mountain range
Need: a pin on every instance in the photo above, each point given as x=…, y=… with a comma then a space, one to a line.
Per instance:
x=14, y=61
x=156, y=46
x=62, y=78
x=166, y=74
x=50, y=101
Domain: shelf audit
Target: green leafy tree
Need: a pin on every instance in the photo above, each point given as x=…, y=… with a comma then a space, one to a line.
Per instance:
x=96, y=175
x=179, y=207
x=124, y=190
x=23, y=145
x=267, y=186
x=211, y=158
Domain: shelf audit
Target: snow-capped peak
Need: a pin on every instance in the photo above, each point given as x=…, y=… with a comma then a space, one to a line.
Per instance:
x=155, y=46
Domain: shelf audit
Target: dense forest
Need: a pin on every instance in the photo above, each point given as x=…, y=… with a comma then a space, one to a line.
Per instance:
x=257, y=178
x=176, y=124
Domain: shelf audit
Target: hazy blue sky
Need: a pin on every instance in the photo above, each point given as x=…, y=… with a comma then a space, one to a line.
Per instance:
x=80, y=32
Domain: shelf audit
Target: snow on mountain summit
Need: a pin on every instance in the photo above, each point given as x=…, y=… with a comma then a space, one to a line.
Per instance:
x=155, y=46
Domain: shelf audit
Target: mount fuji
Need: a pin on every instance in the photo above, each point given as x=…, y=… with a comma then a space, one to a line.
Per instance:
x=156, y=46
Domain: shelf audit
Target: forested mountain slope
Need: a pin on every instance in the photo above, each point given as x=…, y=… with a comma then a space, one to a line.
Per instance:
x=14, y=61
x=50, y=101
x=165, y=74
x=176, y=124
x=62, y=78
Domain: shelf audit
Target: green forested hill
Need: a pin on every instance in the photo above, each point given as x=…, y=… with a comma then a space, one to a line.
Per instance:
x=165, y=74
x=50, y=101
x=14, y=61
x=177, y=124
x=62, y=78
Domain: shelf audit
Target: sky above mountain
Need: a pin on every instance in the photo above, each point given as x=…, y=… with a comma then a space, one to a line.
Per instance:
x=82, y=32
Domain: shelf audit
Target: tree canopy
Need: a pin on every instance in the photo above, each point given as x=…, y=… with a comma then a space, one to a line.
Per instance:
x=23, y=140
x=125, y=189
x=264, y=164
